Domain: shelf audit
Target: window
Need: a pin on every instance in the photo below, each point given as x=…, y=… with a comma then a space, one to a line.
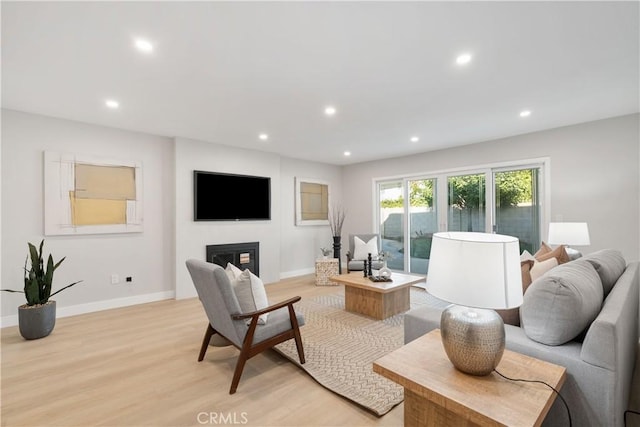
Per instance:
x=505, y=199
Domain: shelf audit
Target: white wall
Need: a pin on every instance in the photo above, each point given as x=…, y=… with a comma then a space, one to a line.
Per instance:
x=193, y=237
x=300, y=245
x=594, y=177
x=154, y=258
x=146, y=256
x=285, y=249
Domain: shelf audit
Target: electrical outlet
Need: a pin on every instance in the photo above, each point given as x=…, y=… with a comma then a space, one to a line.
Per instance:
x=115, y=279
x=129, y=279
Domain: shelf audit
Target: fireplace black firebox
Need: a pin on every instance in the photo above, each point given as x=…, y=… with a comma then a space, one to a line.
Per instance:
x=242, y=255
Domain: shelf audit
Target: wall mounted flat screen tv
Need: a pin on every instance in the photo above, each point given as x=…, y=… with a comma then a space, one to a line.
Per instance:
x=229, y=197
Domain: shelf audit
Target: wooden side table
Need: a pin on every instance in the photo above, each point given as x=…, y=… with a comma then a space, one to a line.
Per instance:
x=325, y=268
x=437, y=394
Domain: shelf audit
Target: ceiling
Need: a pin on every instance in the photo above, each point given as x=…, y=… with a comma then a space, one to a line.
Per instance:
x=225, y=72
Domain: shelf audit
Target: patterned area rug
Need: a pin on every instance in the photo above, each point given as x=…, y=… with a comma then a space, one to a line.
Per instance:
x=340, y=348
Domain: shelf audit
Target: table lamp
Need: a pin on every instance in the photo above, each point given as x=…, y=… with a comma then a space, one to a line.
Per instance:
x=478, y=272
x=569, y=233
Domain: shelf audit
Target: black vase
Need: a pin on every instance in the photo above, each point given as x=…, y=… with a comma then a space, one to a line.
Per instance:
x=336, y=252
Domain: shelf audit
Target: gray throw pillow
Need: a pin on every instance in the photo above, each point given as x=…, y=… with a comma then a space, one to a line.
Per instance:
x=610, y=264
x=561, y=304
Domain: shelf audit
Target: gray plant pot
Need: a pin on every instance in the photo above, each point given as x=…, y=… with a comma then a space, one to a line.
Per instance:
x=36, y=321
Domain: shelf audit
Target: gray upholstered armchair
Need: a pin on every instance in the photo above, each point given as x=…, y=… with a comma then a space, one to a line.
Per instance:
x=226, y=319
x=355, y=261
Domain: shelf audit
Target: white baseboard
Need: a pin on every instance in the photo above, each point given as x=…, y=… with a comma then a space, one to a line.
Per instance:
x=295, y=273
x=91, y=307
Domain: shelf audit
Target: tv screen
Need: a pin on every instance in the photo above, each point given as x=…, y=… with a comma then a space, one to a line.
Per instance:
x=229, y=197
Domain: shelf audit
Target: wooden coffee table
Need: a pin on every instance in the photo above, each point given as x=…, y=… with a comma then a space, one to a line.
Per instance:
x=437, y=394
x=376, y=299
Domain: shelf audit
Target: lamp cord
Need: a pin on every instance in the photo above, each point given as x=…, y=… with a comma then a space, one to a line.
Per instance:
x=540, y=382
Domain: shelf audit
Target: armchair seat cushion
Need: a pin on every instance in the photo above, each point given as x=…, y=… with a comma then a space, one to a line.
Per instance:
x=277, y=323
x=358, y=265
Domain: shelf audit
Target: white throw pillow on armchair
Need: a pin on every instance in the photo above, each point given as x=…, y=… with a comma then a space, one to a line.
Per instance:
x=251, y=294
x=361, y=250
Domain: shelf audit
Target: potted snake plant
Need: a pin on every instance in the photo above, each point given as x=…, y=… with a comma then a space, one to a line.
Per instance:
x=37, y=317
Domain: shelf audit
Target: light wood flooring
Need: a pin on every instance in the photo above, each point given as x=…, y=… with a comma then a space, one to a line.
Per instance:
x=137, y=366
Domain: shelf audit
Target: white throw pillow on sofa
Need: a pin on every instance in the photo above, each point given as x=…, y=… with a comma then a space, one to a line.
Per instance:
x=540, y=267
x=361, y=250
x=251, y=294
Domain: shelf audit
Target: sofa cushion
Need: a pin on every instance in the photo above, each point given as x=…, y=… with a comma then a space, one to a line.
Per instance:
x=540, y=267
x=545, y=252
x=362, y=250
x=511, y=316
x=610, y=264
x=562, y=303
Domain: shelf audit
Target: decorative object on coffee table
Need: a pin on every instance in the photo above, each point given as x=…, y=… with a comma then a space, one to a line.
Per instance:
x=481, y=272
x=384, y=272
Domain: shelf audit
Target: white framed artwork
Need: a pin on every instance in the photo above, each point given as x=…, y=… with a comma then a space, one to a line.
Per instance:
x=312, y=201
x=87, y=194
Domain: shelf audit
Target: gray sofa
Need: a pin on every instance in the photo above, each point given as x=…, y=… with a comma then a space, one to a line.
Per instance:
x=599, y=362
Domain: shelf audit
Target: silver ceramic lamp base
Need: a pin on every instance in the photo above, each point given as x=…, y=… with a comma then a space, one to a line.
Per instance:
x=473, y=338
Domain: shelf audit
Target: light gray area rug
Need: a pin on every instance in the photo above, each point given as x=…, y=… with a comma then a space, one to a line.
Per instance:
x=340, y=349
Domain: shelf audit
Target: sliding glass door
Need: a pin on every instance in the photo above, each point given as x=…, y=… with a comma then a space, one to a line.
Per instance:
x=391, y=222
x=423, y=222
x=517, y=206
x=504, y=200
x=466, y=203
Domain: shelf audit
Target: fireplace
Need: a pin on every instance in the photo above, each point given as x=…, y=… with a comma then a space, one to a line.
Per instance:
x=242, y=255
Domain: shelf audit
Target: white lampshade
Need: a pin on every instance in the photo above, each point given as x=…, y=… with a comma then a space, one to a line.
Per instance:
x=569, y=233
x=475, y=270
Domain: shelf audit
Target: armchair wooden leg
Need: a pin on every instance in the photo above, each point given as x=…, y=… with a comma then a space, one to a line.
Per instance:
x=242, y=359
x=296, y=334
x=205, y=341
x=298, y=339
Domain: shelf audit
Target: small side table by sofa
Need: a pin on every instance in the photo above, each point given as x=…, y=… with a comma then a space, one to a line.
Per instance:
x=437, y=394
x=325, y=268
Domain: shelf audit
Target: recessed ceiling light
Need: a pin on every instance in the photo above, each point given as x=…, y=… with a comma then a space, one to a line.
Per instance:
x=330, y=111
x=112, y=103
x=347, y=153
x=263, y=136
x=525, y=113
x=415, y=139
x=463, y=59
x=144, y=45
